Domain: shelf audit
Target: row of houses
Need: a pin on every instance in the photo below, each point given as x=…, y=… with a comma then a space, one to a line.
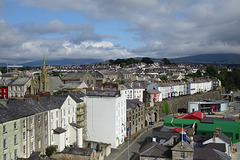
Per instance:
x=156, y=92
x=100, y=117
x=29, y=125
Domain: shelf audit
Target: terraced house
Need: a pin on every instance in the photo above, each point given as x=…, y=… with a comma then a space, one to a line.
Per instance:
x=29, y=125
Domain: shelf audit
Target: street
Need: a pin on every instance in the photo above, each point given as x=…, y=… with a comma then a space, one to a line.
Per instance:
x=134, y=145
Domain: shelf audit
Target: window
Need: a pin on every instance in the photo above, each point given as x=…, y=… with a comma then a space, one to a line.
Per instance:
x=5, y=90
x=15, y=139
x=68, y=101
x=46, y=140
x=39, y=119
x=64, y=112
x=182, y=155
x=31, y=121
x=31, y=132
x=15, y=153
x=24, y=135
x=15, y=125
x=45, y=126
x=10, y=155
x=24, y=123
x=5, y=156
x=56, y=113
x=4, y=129
x=56, y=123
x=237, y=136
x=68, y=110
x=5, y=143
x=39, y=131
x=45, y=117
x=39, y=143
x=32, y=146
x=24, y=149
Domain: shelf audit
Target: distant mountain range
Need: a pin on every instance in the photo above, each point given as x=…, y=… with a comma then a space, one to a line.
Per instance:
x=221, y=58
x=226, y=58
x=64, y=62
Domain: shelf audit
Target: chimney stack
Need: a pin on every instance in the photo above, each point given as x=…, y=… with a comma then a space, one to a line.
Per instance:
x=154, y=139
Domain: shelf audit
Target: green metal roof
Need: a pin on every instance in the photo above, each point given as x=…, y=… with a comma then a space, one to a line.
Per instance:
x=179, y=122
x=228, y=127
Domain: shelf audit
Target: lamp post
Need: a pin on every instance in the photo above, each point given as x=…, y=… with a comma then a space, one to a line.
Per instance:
x=128, y=129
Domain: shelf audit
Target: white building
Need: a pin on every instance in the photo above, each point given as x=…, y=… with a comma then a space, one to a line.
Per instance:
x=63, y=129
x=106, y=117
x=19, y=87
x=133, y=90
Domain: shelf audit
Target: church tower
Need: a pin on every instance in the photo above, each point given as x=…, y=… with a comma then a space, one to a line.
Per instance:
x=44, y=78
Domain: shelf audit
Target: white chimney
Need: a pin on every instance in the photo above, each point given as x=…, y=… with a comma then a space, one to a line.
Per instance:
x=154, y=139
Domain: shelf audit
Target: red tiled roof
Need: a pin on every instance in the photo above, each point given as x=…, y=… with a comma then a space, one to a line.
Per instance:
x=181, y=116
x=196, y=114
x=178, y=130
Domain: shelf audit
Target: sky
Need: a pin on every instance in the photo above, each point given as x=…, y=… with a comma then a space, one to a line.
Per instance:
x=111, y=29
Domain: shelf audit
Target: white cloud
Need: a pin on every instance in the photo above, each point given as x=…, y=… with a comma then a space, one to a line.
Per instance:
x=168, y=28
x=17, y=46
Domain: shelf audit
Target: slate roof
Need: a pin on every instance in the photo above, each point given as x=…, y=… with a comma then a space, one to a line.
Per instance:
x=36, y=156
x=18, y=109
x=132, y=104
x=209, y=154
x=218, y=146
x=25, y=107
x=221, y=136
x=75, y=125
x=103, y=93
x=212, y=119
x=19, y=81
x=59, y=130
x=163, y=133
x=78, y=151
x=72, y=76
x=54, y=83
x=155, y=149
x=153, y=91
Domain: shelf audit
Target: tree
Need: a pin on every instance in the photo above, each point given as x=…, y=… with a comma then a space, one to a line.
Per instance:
x=122, y=82
x=50, y=150
x=163, y=78
x=198, y=73
x=147, y=60
x=55, y=73
x=211, y=71
x=166, y=61
x=166, y=108
x=25, y=68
